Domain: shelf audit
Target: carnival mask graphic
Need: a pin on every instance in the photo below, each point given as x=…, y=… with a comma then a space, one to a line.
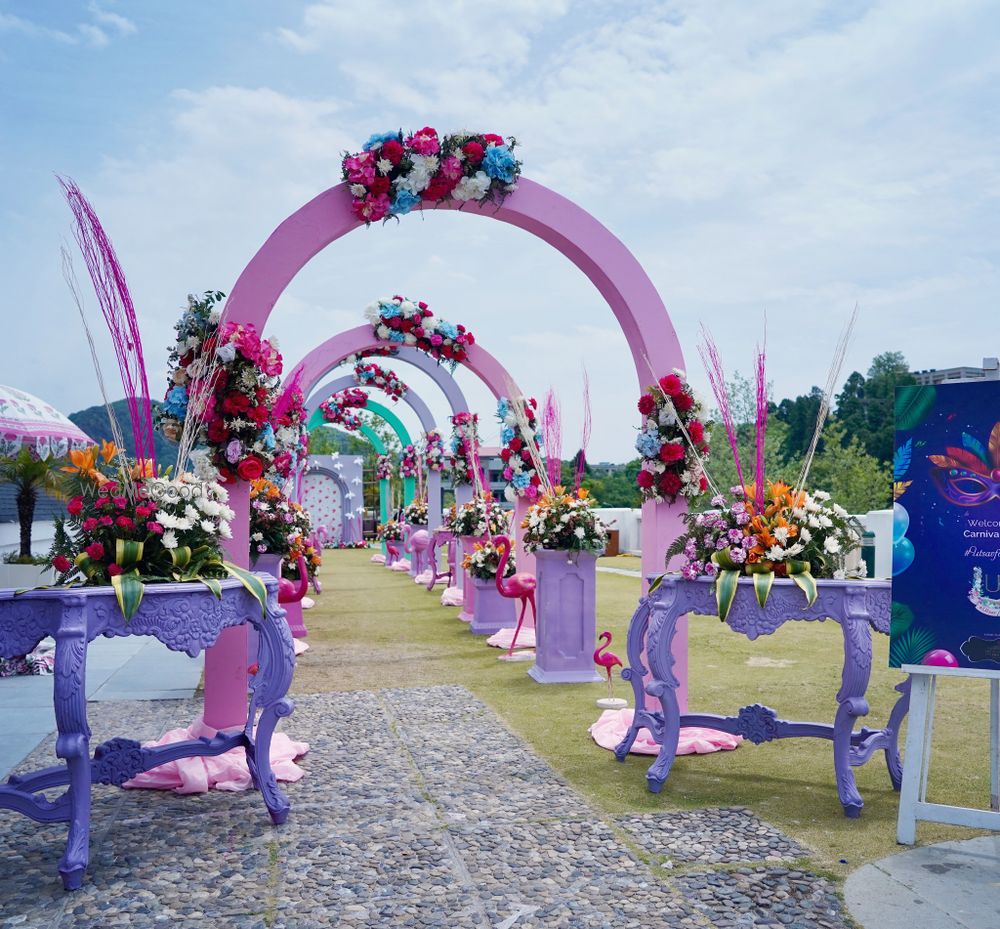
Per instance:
x=969, y=476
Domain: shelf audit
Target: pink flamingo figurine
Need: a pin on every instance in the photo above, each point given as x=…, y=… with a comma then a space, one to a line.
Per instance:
x=392, y=552
x=441, y=537
x=606, y=659
x=521, y=585
x=290, y=594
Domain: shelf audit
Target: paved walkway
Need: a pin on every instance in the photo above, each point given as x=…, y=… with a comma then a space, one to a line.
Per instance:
x=419, y=809
x=126, y=668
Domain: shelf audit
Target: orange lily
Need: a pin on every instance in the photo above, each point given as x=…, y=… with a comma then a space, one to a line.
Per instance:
x=83, y=463
x=108, y=450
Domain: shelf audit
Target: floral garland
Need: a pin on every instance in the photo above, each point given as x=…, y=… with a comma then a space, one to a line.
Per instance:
x=390, y=531
x=432, y=450
x=288, y=420
x=369, y=374
x=337, y=409
x=564, y=521
x=392, y=174
x=409, y=322
x=522, y=478
x=670, y=466
x=282, y=527
x=409, y=465
x=415, y=513
x=479, y=518
x=464, y=441
x=384, y=467
x=245, y=370
x=484, y=560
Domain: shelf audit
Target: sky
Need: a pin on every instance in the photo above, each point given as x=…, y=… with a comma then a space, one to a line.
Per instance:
x=784, y=157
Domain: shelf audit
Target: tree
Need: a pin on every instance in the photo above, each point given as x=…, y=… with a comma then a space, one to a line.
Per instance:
x=865, y=404
x=859, y=482
x=30, y=476
x=800, y=417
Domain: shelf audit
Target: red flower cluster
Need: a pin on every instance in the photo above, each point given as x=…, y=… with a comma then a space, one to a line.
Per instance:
x=337, y=409
x=402, y=321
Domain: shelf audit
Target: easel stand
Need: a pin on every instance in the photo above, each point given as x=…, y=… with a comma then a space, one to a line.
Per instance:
x=913, y=805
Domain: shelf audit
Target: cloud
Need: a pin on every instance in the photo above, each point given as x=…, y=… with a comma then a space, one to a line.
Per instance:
x=95, y=33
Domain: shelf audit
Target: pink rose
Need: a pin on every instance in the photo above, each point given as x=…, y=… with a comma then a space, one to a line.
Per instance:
x=360, y=168
x=507, y=474
x=424, y=142
x=372, y=208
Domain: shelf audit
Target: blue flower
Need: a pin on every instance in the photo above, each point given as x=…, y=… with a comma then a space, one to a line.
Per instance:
x=499, y=163
x=396, y=336
x=648, y=443
x=502, y=407
x=403, y=202
x=378, y=138
x=389, y=309
x=447, y=329
x=521, y=480
x=267, y=435
x=176, y=401
x=506, y=434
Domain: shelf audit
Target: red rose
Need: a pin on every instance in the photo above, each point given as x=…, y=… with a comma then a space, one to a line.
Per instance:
x=393, y=323
x=470, y=339
x=406, y=325
x=697, y=431
x=392, y=151
x=75, y=506
x=536, y=480
x=670, y=484
x=61, y=563
x=259, y=415
x=250, y=468
x=644, y=479
x=492, y=138
x=683, y=402
x=702, y=483
x=516, y=443
x=235, y=402
x=380, y=185
x=505, y=454
x=474, y=152
x=217, y=431
x=89, y=525
x=95, y=551
x=114, y=570
x=123, y=522
x=438, y=189
x=226, y=476
x=646, y=404
x=671, y=451
x=525, y=455
x=671, y=385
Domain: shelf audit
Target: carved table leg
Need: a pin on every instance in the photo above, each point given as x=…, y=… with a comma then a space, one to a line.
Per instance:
x=896, y=717
x=852, y=702
x=634, y=674
x=73, y=741
x=663, y=686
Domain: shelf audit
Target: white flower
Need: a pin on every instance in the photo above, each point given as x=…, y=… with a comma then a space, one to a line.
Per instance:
x=257, y=537
x=382, y=332
x=821, y=495
x=358, y=190
x=831, y=545
x=805, y=535
x=472, y=188
x=839, y=511
x=776, y=553
x=781, y=534
x=825, y=521
x=579, y=532
x=214, y=315
x=384, y=166
x=795, y=549
x=208, y=525
x=226, y=353
x=169, y=539
x=410, y=338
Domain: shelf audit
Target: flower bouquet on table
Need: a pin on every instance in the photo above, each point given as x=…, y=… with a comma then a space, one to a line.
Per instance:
x=409, y=465
x=519, y=427
x=673, y=441
x=479, y=518
x=564, y=521
x=484, y=561
x=338, y=408
x=393, y=173
x=370, y=374
x=390, y=531
x=432, y=450
x=385, y=467
x=128, y=528
x=415, y=513
x=282, y=527
x=238, y=374
x=402, y=321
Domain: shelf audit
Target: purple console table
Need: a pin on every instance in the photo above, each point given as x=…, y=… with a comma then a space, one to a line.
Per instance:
x=857, y=606
x=185, y=618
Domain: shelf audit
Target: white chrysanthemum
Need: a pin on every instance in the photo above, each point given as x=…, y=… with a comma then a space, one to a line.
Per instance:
x=831, y=545
x=472, y=188
x=579, y=532
x=169, y=539
x=208, y=525
x=358, y=190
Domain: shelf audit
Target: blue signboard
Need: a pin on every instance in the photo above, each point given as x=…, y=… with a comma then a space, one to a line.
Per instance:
x=946, y=527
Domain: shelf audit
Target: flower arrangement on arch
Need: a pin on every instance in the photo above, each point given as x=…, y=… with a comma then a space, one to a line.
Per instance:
x=432, y=450
x=415, y=513
x=282, y=527
x=409, y=463
x=672, y=432
x=484, y=561
x=410, y=322
x=479, y=518
x=390, y=531
x=564, y=521
x=385, y=467
x=241, y=373
x=519, y=472
x=393, y=173
x=338, y=408
x=464, y=443
x=127, y=528
x=369, y=374
x=288, y=419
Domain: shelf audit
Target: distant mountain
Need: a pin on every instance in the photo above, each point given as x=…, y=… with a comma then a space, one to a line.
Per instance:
x=94, y=421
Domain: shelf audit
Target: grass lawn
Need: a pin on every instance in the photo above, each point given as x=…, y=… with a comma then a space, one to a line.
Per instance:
x=373, y=629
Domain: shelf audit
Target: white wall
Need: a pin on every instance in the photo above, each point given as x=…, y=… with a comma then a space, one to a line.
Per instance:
x=42, y=533
x=628, y=523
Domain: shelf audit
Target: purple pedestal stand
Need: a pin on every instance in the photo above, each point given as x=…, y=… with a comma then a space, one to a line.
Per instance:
x=566, y=628
x=270, y=563
x=468, y=588
x=493, y=611
x=859, y=607
x=185, y=618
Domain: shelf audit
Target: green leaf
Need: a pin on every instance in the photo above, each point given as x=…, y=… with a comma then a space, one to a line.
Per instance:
x=180, y=556
x=902, y=619
x=656, y=583
x=807, y=584
x=129, y=590
x=762, y=581
x=127, y=553
x=913, y=403
x=252, y=583
x=213, y=585
x=910, y=647
x=725, y=591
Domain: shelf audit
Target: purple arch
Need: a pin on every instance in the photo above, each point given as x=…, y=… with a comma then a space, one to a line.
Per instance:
x=601, y=256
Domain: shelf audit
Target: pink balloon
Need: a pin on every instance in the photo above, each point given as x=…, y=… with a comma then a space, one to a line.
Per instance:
x=939, y=658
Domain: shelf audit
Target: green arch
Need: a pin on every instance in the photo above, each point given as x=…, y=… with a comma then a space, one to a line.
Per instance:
x=396, y=425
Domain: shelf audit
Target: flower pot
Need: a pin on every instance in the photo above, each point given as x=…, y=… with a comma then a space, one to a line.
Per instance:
x=566, y=629
x=493, y=611
x=271, y=564
x=468, y=588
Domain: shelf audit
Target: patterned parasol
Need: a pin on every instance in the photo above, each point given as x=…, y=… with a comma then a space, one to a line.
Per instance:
x=26, y=420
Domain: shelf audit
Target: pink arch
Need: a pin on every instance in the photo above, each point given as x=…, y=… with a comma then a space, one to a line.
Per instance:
x=602, y=257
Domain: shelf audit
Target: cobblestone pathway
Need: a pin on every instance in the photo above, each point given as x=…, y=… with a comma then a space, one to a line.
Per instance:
x=419, y=809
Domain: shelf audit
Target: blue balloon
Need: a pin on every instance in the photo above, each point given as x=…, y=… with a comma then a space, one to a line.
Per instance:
x=900, y=521
x=903, y=554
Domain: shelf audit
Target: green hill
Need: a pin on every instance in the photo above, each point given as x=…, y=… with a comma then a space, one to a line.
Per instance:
x=94, y=421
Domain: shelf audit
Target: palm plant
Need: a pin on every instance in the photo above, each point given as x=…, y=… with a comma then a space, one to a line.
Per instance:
x=30, y=476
